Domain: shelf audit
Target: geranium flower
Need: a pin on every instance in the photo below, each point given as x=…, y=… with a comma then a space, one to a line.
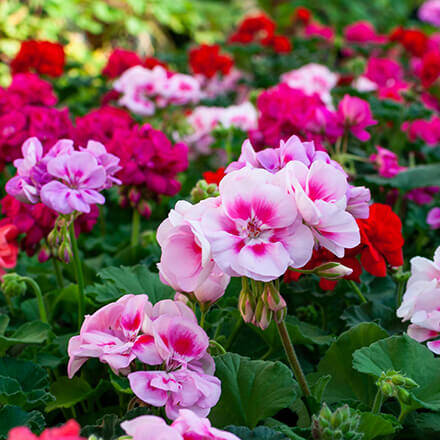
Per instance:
x=8, y=247
x=68, y=431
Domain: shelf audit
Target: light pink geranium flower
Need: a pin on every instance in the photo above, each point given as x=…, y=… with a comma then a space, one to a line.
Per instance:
x=255, y=231
x=110, y=334
x=181, y=238
x=81, y=179
x=354, y=114
x=433, y=218
x=421, y=301
x=320, y=194
x=180, y=389
x=187, y=426
x=429, y=12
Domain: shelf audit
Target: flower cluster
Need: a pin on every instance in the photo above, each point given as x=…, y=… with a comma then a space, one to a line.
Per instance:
x=203, y=120
x=69, y=431
x=64, y=179
x=187, y=426
x=165, y=336
x=207, y=60
x=260, y=29
x=42, y=57
x=420, y=303
x=26, y=110
x=143, y=90
x=8, y=247
x=120, y=60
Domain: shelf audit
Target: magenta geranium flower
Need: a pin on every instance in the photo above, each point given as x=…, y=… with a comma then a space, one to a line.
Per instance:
x=355, y=116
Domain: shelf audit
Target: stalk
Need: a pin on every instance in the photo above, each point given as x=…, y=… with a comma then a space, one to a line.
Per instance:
x=36, y=288
x=78, y=273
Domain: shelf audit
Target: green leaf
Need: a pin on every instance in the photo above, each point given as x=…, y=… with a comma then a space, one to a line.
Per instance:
x=376, y=425
x=401, y=353
x=346, y=383
x=135, y=280
x=120, y=383
x=69, y=392
x=23, y=383
x=251, y=390
x=35, y=332
x=318, y=388
x=12, y=416
x=416, y=177
x=4, y=321
x=260, y=433
x=281, y=427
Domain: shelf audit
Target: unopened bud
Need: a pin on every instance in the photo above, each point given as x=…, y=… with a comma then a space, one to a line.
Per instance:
x=134, y=195
x=403, y=395
x=263, y=315
x=203, y=190
x=387, y=389
x=43, y=255
x=273, y=298
x=13, y=285
x=144, y=209
x=53, y=238
x=65, y=252
x=332, y=271
x=245, y=306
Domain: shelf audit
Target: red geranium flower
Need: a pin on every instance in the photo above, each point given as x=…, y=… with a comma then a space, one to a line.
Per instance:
x=415, y=42
x=207, y=60
x=151, y=63
x=279, y=43
x=430, y=69
x=254, y=28
x=119, y=61
x=8, y=247
x=41, y=56
x=302, y=14
x=381, y=240
x=69, y=431
x=214, y=176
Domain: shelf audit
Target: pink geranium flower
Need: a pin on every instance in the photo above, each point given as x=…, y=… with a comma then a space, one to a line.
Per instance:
x=387, y=162
x=255, y=231
x=110, y=334
x=355, y=115
x=320, y=194
x=433, y=218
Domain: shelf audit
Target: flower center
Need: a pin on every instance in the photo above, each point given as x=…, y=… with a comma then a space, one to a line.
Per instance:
x=253, y=230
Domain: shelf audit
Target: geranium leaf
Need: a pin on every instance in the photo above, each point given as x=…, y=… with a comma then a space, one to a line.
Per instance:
x=12, y=416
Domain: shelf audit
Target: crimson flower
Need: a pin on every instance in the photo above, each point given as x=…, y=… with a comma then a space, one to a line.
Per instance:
x=207, y=61
x=214, y=176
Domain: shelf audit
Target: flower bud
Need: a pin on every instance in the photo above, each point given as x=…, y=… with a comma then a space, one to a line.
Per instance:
x=273, y=298
x=203, y=190
x=263, y=315
x=144, y=209
x=246, y=306
x=134, y=195
x=43, y=255
x=65, y=252
x=13, y=285
x=403, y=396
x=332, y=270
x=387, y=389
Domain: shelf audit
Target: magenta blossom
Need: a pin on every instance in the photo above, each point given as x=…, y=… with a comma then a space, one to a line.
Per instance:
x=362, y=32
x=187, y=426
x=387, y=162
x=430, y=12
x=355, y=115
x=433, y=218
x=255, y=231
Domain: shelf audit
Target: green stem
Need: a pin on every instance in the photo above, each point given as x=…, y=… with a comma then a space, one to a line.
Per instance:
x=229, y=147
x=202, y=319
x=36, y=288
x=135, y=230
x=292, y=358
x=217, y=345
x=400, y=290
x=377, y=404
x=79, y=274
x=357, y=290
x=58, y=272
x=403, y=413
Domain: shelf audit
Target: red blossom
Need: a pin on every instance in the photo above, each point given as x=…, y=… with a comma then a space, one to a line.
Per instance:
x=214, y=176
x=207, y=61
x=415, y=42
x=430, y=69
x=302, y=15
x=119, y=61
x=151, y=63
x=69, y=431
x=381, y=240
x=253, y=29
x=43, y=57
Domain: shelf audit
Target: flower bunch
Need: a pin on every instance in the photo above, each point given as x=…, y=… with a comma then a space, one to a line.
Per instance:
x=165, y=336
x=64, y=179
x=149, y=165
x=26, y=110
x=143, y=90
x=260, y=29
x=420, y=303
x=43, y=57
x=207, y=60
x=187, y=426
x=203, y=120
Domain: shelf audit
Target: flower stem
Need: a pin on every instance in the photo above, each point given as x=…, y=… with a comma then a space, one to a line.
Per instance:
x=293, y=359
x=36, y=288
x=202, y=319
x=58, y=272
x=377, y=403
x=79, y=274
x=135, y=230
x=357, y=290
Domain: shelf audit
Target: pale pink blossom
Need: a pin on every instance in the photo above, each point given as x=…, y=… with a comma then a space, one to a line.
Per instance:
x=255, y=230
x=213, y=287
x=182, y=240
x=180, y=389
x=358, y=201
x=312, y=78
x=187, y=426
x=363, y=84
x=320, y=194
x=110, y=334
x=421, y=301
